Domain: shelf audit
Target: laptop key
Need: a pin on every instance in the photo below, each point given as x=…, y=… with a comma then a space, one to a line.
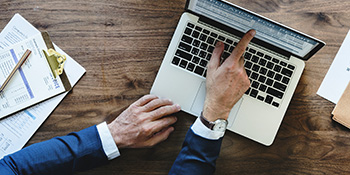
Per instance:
x=202, y=54
x=206, y=31
x=203, y=37
x=255, y=59
x=269, y=82
x=280, y=86
x=284, y=64
x=263, y=71
x=205, y=74
x=184, y=55
x=195, y=34
x=285, y=80
x=226, y=47
x=188, y=31
x=222, y=38
x=210, y=49
x=270, y=65
x=196, y=43
x=198, y=28
x=186, y=39
x=199, y=70
x=254, y=93
x=260, y=54
x=275, y=104
x=274, y=93
x=275, y=60
x=248, y=65
x=287, y=72
x=254, y=76
x=214, y=34
x=203, y=63
x=229, y=41
x=204, y=46
x=183, y=64
x=278, y=77
x=195, y=51
x=256, y=68
x=176, y=60
x=252, y=51
x=231, y=49
x=185, y=47
x=190, y=67
x=248, y=72
x=208, y=57
x=255, y=84
x=262, y=79
x=261, y=98
x=210, y=40
x=291, y=67
x=263, y=88
x=268, y=99
x=262, y=62
x=195, y=60
x=247, y=56
x=268, y=57
x=190, y=25
x=277, y=68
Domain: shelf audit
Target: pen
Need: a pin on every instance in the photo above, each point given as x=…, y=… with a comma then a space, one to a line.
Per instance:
x=18, y=65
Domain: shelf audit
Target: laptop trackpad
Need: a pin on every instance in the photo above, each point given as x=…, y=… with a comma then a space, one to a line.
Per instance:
x=198, y=105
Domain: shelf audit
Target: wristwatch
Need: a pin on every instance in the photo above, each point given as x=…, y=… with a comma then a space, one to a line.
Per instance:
x=218, y=125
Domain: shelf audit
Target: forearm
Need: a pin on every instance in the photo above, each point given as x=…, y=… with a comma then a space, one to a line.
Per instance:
x=197, y=156
x=61, y=155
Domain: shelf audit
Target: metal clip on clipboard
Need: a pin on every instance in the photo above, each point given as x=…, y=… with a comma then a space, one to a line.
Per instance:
x=56, y=61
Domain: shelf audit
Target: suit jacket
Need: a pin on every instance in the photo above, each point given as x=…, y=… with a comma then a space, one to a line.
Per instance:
x=197, y=156
x=61, y=155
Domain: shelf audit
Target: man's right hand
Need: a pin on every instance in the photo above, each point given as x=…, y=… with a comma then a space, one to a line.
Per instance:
x=226, y=83
x=144, y=123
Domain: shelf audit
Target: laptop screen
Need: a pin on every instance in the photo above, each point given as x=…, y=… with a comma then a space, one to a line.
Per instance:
x=243, y=20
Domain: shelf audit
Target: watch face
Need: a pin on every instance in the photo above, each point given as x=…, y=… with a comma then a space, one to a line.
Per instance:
x=220, y=125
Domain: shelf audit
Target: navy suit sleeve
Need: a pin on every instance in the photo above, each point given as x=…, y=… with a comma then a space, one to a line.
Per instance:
x=61, y=155
x=197, y=156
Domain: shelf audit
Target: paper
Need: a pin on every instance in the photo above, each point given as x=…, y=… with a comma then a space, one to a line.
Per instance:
x=338, y=75
x=16, y=130
x=33, y=82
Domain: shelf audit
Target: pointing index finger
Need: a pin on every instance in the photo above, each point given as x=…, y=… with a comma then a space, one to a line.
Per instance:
x=242, y=45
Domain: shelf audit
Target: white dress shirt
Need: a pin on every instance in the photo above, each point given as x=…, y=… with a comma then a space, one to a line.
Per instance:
x=111, y=150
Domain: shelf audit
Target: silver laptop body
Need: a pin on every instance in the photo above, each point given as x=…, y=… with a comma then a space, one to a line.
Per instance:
x=274, y=62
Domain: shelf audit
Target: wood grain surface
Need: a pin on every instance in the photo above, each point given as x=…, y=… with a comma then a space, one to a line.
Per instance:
x=121, y=44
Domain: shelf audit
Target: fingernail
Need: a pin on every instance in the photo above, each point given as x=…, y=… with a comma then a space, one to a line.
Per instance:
x=178, y=107
x=218, y=44
x=252, y=32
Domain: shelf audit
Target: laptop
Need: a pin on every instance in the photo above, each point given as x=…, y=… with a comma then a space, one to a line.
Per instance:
x=274, y=62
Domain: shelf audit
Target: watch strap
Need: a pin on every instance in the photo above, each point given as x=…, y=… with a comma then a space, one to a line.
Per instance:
x=207, y=123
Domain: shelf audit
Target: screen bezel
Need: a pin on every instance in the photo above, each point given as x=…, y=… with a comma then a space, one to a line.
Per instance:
x=258, y=41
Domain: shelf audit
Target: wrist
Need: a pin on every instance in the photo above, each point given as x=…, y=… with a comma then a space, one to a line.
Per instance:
x=212, y=114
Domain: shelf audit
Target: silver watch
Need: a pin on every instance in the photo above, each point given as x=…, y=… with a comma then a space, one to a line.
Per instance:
x=217, y=125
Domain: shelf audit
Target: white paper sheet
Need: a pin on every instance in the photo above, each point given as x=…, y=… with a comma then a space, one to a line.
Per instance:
x=338, y=75
x=16, y=130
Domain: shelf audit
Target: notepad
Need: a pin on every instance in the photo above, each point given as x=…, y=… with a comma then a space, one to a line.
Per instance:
x=34, y=81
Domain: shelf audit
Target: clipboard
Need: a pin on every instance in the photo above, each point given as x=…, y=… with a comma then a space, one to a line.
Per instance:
x=341, y=112
x=40, y=78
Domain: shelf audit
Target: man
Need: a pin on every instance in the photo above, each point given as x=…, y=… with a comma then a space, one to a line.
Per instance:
x=145, y=123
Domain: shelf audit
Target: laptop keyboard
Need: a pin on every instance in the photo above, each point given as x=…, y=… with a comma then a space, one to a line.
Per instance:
x=269, y=76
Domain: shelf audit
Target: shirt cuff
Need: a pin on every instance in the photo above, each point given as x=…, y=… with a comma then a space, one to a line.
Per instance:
x=203, y=131
x=109, y=147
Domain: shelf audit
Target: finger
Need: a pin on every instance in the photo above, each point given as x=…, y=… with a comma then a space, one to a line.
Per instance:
x=216, y=56
x=159, y=137
x=164, y=111
x=145, y=99
x=161, y=124
x=242, y=45
x=156, y=103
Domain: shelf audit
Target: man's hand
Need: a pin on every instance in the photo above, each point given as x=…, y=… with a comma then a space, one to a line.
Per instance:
x=144, y=123
x=226, y=83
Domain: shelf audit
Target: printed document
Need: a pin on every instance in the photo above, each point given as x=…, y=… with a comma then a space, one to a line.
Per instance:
x=338, y=75
x=17, y=129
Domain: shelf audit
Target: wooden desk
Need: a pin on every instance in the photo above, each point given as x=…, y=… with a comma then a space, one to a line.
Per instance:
x=121, y=44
